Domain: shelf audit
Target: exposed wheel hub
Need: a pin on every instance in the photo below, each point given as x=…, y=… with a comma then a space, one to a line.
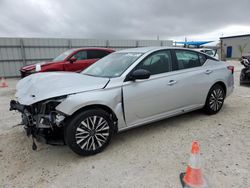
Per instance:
x=92, y=133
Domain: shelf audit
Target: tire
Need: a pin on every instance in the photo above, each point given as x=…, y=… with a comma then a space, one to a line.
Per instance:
x=242, y=75
x=89, y=132
x=215, y=99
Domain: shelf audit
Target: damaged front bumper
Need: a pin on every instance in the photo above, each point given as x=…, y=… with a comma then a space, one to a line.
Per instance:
x=41, y=123
x=25, y=114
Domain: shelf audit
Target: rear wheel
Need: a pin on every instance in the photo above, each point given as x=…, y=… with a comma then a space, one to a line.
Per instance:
x=215, y=99
x=89, y=132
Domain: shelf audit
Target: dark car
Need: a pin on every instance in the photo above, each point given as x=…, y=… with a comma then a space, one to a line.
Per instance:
x=74, y=60
x=245, y=72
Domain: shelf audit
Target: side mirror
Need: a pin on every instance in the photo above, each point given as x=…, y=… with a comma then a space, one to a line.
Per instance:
x=140, y=74
x=72, y=60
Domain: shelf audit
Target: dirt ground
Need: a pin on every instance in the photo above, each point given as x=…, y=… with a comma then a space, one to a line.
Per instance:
x=148, y=156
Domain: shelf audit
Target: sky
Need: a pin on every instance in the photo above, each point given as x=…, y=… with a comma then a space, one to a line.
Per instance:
x=125, y=19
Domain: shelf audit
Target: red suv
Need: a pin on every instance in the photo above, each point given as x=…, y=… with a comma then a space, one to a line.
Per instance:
x=74, y=60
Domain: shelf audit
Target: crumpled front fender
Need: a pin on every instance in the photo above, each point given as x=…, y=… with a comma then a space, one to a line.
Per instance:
x=110, y=98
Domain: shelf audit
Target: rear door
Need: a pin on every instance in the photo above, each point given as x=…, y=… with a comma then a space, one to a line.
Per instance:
x=193, y=79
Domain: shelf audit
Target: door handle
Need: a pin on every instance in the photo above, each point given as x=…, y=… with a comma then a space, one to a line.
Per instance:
x=172, y=82
x=208, y=71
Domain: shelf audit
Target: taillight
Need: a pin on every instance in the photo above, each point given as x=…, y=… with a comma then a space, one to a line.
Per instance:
x=231, y=68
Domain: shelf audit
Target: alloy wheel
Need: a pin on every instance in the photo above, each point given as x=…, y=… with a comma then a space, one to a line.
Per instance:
x=92, y=133
x=216, y=99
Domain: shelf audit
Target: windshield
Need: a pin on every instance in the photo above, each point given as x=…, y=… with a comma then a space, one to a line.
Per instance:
x=62, y=56
x=112, y=65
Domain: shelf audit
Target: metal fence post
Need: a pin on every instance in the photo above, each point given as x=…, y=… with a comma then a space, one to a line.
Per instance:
x=22, y=52
x=137, y=44
x=107, y=43
x=69, y=43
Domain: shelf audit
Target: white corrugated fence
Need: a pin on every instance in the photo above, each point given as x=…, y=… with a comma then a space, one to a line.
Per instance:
x=17, y=52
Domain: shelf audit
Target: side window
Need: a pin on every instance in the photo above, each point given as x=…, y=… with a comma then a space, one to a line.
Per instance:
x=97, y=54
x=81, y=55
x=158, y=62
x=202, y=59
x=209, y=52
x=187, y=59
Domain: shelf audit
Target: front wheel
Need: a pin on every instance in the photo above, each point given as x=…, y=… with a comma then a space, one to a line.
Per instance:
x=89, y=132
x=215, y=99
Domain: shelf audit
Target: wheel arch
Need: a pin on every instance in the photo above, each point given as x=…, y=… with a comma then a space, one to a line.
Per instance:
x=222, y=84
x=206, y=107
x=98, y=106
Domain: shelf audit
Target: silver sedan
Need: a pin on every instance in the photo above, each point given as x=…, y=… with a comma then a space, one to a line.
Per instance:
x=123, y=90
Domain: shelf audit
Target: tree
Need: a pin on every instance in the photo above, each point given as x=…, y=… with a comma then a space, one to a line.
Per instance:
x=242, y=48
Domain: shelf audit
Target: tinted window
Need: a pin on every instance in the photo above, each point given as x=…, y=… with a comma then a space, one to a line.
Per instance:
x=202, y=58
x=187, y=59
x=81, y=55
x=209, y=52
x=158, y=62
x=97, y=54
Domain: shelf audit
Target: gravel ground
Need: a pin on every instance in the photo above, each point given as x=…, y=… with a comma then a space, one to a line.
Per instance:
x=148, y=156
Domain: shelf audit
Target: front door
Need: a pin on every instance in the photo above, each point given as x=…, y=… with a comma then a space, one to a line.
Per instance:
x=81, y=62
x=144, y=99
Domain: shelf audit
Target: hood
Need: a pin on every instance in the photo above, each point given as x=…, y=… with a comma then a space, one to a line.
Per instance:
x=41, y=86
x=33, y=66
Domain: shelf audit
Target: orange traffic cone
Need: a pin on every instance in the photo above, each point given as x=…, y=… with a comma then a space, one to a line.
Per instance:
x=3, y=83
x=193, y=177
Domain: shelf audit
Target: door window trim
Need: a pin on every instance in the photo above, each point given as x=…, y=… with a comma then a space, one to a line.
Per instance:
x=155, y=75
x=176, y=60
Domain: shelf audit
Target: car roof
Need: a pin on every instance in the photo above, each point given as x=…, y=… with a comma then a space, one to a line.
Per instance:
x=140, y=49
x=199, y=49
x=152, y=48
x=94, y=48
